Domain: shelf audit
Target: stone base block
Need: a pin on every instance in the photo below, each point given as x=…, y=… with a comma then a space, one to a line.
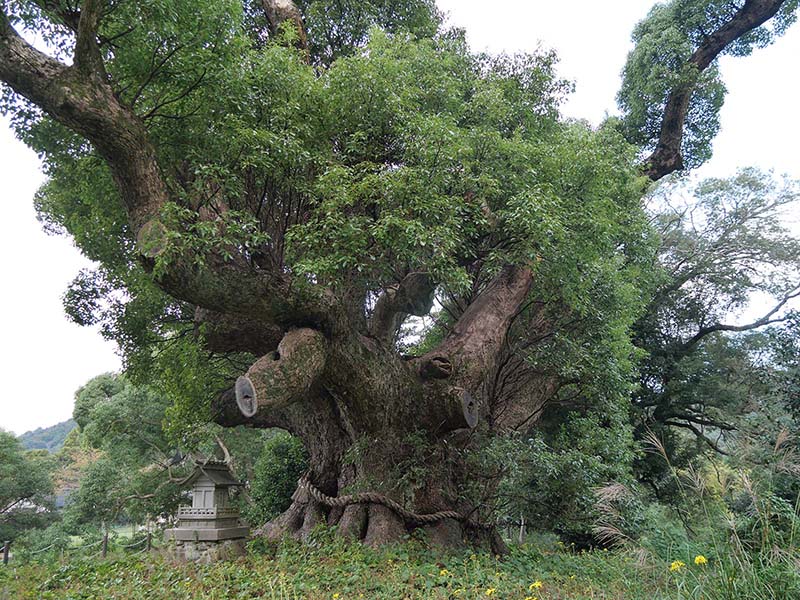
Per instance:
x=205, y=552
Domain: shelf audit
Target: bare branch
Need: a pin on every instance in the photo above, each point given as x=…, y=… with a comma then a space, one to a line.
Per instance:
x=714, y=446
x=153, y=112
x=226, y=453
x=767, y=319
x=412, y=296
x=155, y=68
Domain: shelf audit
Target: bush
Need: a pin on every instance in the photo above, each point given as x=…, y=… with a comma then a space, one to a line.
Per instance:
x=280, y=464
x=36, y=544
x=551, y=479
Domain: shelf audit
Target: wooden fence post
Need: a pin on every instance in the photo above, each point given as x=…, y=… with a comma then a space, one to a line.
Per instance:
x=104, y=551
x=6, y=548
x=149, y=541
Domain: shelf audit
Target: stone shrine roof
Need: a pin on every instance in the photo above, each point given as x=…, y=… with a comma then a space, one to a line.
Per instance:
x=217, y=471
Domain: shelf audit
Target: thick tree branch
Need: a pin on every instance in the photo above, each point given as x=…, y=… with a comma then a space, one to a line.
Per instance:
x=472, y=348
x=667, y=156
x=412, y=296
x=699, y=419
x=88, y=106
x=474, y=342
x=88, y=59
x=698, y=433
x=223, y=333
x=280, y=11
x=285, y=376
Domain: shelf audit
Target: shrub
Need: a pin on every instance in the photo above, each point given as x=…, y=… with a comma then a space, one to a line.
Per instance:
x=280, y=464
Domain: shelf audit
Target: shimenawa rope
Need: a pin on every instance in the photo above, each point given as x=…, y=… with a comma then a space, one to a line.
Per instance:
x=374, y=498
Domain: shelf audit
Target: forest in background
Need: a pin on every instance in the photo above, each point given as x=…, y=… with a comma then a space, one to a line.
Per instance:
x=47, y=438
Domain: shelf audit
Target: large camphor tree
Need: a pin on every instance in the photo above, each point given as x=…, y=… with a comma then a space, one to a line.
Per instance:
x=358, y=230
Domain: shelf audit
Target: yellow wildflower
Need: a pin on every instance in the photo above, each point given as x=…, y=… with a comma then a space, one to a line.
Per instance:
x=700, y=560
x=676, y=565
x=490, y=591
x=535, y=585
x=530, y=598
x=336, y=596
x=444, y=572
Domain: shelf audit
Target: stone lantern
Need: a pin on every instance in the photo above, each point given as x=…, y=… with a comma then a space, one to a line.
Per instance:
x=209, y=529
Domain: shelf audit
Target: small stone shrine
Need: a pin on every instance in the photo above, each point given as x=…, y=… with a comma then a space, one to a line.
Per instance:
x=209, y=529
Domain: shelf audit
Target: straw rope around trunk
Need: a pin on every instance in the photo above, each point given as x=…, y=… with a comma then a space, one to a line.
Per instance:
x=374, y=498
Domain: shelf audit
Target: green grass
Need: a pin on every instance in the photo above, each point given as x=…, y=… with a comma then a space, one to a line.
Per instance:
x=122, y=531
x=330, y=569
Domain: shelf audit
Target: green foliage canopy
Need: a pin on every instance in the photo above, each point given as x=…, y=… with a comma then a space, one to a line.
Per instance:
x=405, y=153
x=281, y=463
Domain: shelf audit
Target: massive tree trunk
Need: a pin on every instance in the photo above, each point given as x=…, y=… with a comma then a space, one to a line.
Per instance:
x=387, y=433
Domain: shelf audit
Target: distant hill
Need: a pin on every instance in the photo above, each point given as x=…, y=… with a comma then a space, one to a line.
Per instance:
x=47, y=438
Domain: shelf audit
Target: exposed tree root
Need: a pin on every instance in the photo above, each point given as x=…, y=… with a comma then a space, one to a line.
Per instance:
x=376, y=520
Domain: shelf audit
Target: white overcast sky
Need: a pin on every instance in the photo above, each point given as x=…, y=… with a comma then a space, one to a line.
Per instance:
x=44, y=358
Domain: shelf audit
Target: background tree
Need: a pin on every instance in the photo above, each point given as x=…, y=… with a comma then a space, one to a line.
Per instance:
x=25, y=487
x=288, y=193
x=282, y=461
x=135, y=472
x=786, y=347
x=722, y=248
x=133, y=467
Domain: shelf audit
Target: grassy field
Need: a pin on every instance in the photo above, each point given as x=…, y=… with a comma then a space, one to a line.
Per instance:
x=332, y=570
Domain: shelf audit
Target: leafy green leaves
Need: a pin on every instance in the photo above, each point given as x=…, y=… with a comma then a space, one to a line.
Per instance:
x=281, y=463
x=25, y=486
x=341, y=27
